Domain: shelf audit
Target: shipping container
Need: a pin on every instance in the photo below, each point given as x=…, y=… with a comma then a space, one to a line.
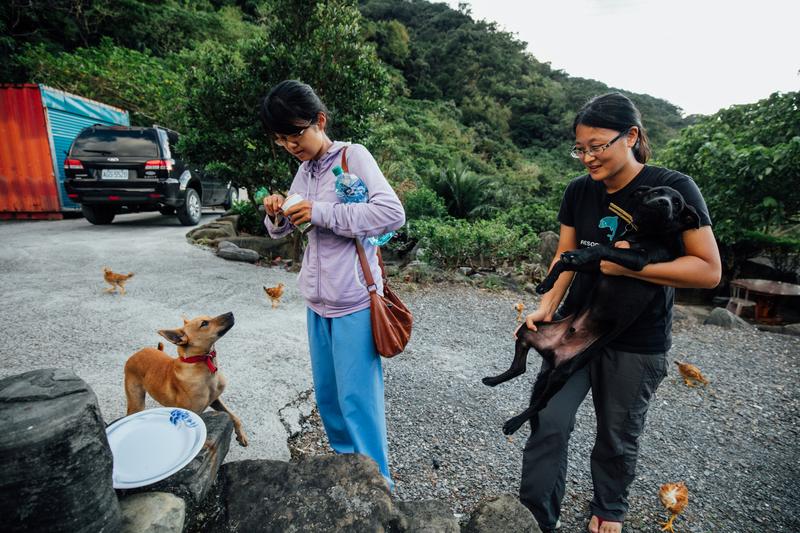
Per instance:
x=37, y=127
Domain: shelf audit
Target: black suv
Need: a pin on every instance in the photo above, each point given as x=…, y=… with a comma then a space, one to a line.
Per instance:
x=117, y=169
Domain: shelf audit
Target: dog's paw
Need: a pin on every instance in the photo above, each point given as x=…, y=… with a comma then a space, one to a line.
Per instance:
x=544, y=287
x=572, y=258
x=242, y=440
x=512, y=425
x=490, y=381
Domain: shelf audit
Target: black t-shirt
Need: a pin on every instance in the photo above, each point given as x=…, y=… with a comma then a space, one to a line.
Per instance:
x=599, y=217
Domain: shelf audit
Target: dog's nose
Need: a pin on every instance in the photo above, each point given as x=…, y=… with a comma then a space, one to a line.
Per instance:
x=228, y=316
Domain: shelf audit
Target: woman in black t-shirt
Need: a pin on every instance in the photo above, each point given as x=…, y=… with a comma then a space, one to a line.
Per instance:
x=612, y=144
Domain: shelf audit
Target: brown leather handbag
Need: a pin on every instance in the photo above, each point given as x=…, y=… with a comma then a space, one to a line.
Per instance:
x=391, y=319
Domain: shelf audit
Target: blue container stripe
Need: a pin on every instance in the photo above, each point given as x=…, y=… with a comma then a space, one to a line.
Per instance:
x=67, y=114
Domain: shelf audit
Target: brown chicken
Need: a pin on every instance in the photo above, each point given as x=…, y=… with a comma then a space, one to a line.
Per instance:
x=519, y=307
x=275, y=294
x=675, y=497
x=115, y=280
x=691, y=374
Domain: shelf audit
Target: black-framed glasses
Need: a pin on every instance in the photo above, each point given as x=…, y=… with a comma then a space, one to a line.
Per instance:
x=578, y=153
x=294, y=138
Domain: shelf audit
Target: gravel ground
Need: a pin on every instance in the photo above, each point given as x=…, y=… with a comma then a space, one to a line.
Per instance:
x=735, y=446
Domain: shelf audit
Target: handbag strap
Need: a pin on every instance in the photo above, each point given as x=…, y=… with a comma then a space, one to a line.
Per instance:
x=362, y=257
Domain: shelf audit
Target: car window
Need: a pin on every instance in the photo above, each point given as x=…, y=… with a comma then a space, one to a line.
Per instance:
x=120, y=143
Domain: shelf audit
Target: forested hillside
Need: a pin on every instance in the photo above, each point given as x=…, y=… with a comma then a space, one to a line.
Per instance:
x=469, y=126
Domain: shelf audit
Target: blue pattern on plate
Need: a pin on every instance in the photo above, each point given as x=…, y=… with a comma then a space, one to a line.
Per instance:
x=179, y=416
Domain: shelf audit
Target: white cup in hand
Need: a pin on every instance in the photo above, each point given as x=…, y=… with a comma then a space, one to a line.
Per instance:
x=291, y=200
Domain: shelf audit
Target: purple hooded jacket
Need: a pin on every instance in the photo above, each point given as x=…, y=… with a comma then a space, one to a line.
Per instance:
x=331, y=279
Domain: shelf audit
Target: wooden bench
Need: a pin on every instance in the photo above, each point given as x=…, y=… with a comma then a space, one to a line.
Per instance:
x=736, y=305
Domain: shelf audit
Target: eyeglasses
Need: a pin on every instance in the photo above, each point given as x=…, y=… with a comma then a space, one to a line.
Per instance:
x=578, y=153
x=294, y=138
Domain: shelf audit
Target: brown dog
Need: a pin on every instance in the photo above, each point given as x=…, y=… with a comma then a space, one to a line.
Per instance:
x=191, y=380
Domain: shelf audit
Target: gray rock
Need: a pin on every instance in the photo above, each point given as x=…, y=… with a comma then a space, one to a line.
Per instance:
x=225, y=245
x=54, y=456
x=792, y=329
x=152, y=512
x=333, y=493
x=430, y=516
x=213, y=230
x=194, y=483
x=238, y=254
x=265, y=246
x=500, y=514
x=548, y=244
x=725, y=319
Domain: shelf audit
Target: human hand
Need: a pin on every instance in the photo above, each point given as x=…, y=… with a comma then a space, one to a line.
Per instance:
x=273, y=203
x=537, y=316
x=299, y=213
x=613, y=269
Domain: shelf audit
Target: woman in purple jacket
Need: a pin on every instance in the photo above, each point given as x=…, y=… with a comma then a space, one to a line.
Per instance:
x=348, y=378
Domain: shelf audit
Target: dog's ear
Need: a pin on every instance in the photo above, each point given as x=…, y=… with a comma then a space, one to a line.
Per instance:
x=640, y=191
x=175, y=336
x=185, y=319
x=689, y=217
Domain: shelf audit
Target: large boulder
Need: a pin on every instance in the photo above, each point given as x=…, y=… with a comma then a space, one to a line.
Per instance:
x=335, y=493
x=548, y=244
x=195, y=482
x=501, y=513
x=54, y=456
x=152, y=512
x=429, y=516
x=725, y=319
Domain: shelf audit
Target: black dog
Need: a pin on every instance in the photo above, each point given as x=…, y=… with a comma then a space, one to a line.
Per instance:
x=660, y=215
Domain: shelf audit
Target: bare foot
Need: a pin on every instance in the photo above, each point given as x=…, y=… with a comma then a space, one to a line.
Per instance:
x=606, y=527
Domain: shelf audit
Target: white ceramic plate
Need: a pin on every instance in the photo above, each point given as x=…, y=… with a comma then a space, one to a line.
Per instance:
x=151, y=445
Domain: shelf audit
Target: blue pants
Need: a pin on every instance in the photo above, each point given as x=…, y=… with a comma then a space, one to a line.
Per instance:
x=348, y=385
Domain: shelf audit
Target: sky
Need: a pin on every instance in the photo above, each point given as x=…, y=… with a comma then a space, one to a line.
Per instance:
x=700, y=55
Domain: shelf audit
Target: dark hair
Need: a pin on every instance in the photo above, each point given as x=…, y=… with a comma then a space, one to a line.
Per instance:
x=288, y=103
x=615, y=111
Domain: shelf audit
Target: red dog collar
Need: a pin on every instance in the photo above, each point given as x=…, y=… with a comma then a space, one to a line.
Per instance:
x=207, y=358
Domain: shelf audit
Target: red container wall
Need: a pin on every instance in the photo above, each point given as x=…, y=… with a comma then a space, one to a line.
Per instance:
x=27, y=180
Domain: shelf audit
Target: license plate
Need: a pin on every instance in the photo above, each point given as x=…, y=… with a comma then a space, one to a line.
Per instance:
x=115, y=174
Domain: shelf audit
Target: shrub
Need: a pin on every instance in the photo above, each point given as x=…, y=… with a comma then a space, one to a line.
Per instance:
x=481, y=244
x=423, y=203
x=465, y=193
x=250, y=218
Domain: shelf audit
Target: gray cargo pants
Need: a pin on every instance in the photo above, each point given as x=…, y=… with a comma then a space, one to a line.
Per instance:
x=622, y=384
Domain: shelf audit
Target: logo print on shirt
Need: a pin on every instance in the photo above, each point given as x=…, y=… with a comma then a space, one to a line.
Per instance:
x=610, y=223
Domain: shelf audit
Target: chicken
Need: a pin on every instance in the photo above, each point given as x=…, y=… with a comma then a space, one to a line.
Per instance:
x=275, y=294
x=519, y=307
x=675, y=497
x=115, y=280
x=691, y=374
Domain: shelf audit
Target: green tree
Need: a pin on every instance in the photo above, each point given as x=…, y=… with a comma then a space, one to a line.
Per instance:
x=746, y=159
x=151, y=88
x=319, y=43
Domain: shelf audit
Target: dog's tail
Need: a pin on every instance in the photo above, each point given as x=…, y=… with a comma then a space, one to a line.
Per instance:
x=130, y=274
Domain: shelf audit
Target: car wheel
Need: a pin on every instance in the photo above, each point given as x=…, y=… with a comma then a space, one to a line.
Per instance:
x=166, y=210
x=189, y=212
x=230, y=197
x=98, y=214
